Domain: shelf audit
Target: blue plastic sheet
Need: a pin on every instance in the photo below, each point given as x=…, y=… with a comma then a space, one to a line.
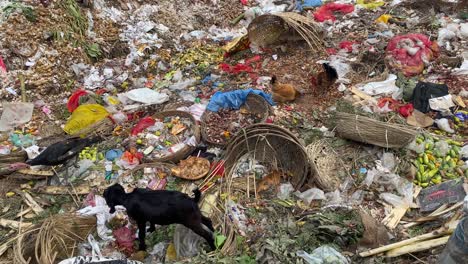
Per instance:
x=300, y=5
x=234, y=99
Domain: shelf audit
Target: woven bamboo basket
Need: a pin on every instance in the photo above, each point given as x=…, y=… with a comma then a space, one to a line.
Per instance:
x=254, y=104
x=370, y=131
x=272, y=148
x=325, y=165
x=186, y=150
x=196, y=177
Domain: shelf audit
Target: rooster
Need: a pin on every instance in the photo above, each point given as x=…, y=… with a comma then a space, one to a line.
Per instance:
x=324, y=79
x=283, y=92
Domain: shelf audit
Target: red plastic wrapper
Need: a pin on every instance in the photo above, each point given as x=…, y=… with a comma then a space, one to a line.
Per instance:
x=347, y=45
x=124, y=238
x=143, y=124
x=249, y=66
x=409, y=53
x=90, y=200
x=392, y=103
x=406, y=110
x=74, y=100
x=326, y=11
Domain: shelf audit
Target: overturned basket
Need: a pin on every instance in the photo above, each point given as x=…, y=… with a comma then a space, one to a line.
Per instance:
x=270, y=146
x=254, y=104
x=186, y=150
x=370, y=131
x=325, y=164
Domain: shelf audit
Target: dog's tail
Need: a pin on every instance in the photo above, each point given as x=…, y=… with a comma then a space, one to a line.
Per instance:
x=197, y=195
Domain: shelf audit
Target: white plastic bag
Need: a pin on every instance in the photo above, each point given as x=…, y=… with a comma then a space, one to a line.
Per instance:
x=147, y=96
x=383, y=88
x=285, y=190
x=101, y=211
x=186, y=242
x=323, y=255
x=310, y=195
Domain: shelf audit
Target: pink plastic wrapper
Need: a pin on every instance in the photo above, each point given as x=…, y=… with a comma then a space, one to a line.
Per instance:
x=326, y=11
x=3, y=69
x=409, y=53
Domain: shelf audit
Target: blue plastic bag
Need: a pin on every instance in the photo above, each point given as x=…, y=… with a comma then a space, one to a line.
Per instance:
x=234, y=99
x=300, y=5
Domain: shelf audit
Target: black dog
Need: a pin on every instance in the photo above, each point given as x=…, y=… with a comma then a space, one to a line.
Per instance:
x=162, y=208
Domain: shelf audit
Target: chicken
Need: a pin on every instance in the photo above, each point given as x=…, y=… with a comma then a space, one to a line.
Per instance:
x=283, y=92
x=273, y=179
x=60, y=152
x=324, y=79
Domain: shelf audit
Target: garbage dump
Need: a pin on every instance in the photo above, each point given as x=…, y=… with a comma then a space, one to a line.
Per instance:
x=235, y=131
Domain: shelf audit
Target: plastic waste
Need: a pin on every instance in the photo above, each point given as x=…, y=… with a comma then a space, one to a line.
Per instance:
x=323, y=255
x=186, y=242
x=443, y=103
x=456, y=250
x=113, y=154
x=237, y=216
x=15, y=114
x=97, y=260
x=5, y=150
x=326, y=11
x=84, y=116
x=129, y=160
x=74, y=100
x=182, y=84
x=388, y=161
x=146, y=96
x=463, y=151
x=310, y=195
x=101, y=211
x=196, y=110
x=234, y=99
x=443, y=124
x=463, y=70
x=424, y=91
x=75, y=173
x=383, y=18
x=369, y=4
x=143, y=124
x=157, y=254
x=188, y=95
x=22, y=141
x=285, y=190
x=300, y=5
x=409, y=53
x=385, y=88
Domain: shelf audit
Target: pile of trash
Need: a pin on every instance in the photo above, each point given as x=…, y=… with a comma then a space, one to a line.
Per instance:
x=255, y=131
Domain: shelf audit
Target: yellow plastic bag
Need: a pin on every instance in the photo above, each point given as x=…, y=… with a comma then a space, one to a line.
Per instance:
x=383, y=19
x=84, y=116
x=370, y=4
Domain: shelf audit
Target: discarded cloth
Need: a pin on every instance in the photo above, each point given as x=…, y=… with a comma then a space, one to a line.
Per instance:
x=234, y=99
x=326, y=11
x=425, y=91
x=409, y=53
